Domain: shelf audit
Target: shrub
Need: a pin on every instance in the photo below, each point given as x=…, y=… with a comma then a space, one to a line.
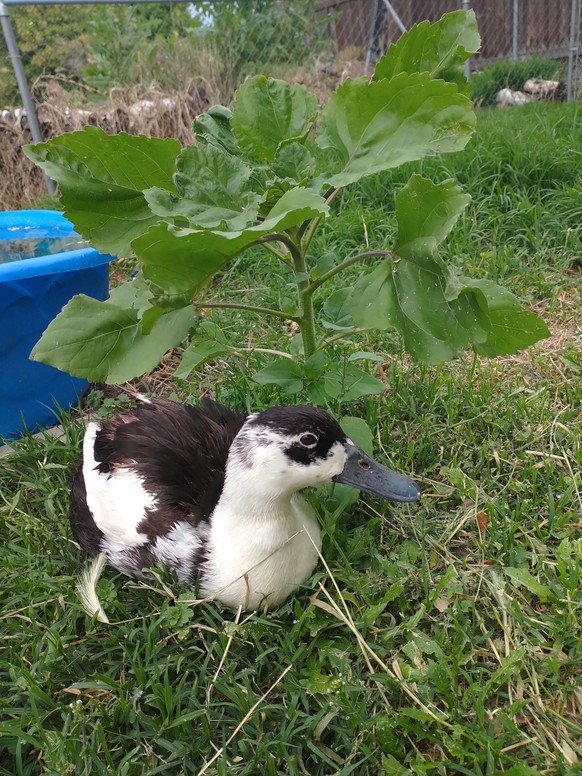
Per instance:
x=52, y=41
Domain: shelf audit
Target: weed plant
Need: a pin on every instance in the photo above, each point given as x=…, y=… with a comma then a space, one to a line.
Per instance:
x=443, y=638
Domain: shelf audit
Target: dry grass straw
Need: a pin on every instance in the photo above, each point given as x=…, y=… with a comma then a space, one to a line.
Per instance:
x=147, y=112
x=182, y=82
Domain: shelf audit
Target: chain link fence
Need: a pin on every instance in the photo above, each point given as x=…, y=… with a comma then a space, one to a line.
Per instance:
x=510, y=29
x=218, y=42
x=575, y=52
x=148, y=68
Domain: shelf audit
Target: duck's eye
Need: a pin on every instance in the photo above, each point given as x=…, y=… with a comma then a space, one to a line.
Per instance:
x=308, y=440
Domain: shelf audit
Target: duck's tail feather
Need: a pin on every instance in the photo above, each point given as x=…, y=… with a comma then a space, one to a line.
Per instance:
x=86, y=587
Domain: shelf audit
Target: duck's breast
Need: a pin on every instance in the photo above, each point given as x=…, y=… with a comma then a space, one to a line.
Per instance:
x=260, y=562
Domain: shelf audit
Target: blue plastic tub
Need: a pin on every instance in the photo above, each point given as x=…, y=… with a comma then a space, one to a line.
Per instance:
x=32, y=292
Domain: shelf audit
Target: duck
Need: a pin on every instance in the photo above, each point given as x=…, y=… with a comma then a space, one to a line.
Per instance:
x=214, y=495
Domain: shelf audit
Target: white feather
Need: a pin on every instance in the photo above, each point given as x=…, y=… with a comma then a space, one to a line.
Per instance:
x=118, y=501
x=86, y=587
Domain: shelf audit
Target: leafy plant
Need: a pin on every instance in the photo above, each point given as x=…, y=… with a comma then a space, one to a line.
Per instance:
x=266, y=174
x=122, y=38
x=257, y=34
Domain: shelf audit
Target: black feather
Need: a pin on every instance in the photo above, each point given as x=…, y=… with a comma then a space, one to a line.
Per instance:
x=83, y=526
x=288, y=420
x=180, y=451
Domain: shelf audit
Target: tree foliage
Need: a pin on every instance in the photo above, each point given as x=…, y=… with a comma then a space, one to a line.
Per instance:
x=52, y=40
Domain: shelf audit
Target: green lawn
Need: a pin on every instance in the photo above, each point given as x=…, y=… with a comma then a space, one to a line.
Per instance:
x=440, y=638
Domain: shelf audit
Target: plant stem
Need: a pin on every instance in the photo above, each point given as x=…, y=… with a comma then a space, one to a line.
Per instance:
x=263, y=350
x=279, y=237
x=307, y=319
x=340, y=335
x=311, y=226
x=344, y=265
x=281, y=256
x=247, y=308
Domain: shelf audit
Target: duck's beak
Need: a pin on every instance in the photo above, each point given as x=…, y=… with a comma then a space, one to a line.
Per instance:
x=364, y=473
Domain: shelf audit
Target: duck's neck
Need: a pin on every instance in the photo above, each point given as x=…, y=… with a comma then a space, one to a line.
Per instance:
x=247, y=501
x=263, y=543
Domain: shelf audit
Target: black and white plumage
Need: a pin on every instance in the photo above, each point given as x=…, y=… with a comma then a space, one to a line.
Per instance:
x=214, y=495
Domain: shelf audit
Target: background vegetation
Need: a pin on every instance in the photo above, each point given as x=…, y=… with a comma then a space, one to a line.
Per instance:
x=91, y=50
x=147, y=69
x=486, y=83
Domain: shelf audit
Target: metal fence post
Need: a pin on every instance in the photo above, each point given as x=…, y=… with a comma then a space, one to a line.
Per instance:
x=573, y=47
x=371, y=34
x=27, y=101
x=515, y=30
x=466, y=6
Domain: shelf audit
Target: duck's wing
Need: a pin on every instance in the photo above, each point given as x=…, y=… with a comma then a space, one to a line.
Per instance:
x=159, y=464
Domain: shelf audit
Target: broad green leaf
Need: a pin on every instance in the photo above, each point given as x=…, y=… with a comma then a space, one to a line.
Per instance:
x=379, y=125
x=102, y=179
x=213, y=128
x=426, y=212
x=525, y=578
x=315, y=365
x=358, y=383
x=438, y=313
x=212, y=190
x=412, y=299
x=209, y=330
x=199, y=353
x=149, y=318
x=366, y=355
x=333, y=382
x=317, y=394
x=337, y=310
x=350, y=383
x=294, y=161
x=283, y=372
x=135, y=293
x=105, y=343
x=439, y=49
x=511, y=327
x=274, y=190
x=294, y=207
x=359, y=432
x=268, y=113
x=179, y=262
x=322, y=265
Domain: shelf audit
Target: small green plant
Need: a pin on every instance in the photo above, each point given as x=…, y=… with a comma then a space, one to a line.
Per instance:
x=265, y=174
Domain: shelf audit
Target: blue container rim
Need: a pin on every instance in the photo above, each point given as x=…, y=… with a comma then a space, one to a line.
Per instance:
x=44, y=223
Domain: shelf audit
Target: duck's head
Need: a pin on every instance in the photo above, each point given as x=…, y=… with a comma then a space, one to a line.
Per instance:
x=285, y=449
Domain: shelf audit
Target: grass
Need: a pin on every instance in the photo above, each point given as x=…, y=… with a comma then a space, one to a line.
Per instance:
x=486, y=83
x=443, y=638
